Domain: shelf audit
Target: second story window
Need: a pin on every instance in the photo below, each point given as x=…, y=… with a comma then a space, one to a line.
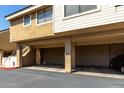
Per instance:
x=44, y=15
x=27, y=20
x=75, y=9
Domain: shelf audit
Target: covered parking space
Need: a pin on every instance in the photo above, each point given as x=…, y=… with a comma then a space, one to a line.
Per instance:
x=50, y=53
x=84, y=57
x=96, y=58
x=46, y=54
x=52, y=56
x=70, y=52
x=98, y=55
x=98, y=49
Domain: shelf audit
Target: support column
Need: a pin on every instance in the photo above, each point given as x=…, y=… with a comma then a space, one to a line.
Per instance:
x=1, y=58
x=19, y=55
x=73, y=56
x=69, y=56
x=38, y=56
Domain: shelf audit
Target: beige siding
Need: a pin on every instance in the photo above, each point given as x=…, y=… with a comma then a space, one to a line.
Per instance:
x=106, y=15
x=5, y=42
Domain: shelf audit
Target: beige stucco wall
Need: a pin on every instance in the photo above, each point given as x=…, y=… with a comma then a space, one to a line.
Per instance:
x=94, y=55
x=53, y=55
x=5, y=42
x=18, y=32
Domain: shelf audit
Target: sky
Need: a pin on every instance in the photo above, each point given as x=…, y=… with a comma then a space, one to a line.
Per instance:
x=5, y=10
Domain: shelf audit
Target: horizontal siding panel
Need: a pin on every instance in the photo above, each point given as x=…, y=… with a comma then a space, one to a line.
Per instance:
x=107, y=14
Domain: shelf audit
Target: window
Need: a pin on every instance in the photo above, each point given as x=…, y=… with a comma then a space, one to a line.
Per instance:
x=27, y=20
x=84, y=8
x=75, y=9
x=71, y=9
x=44, y=15
x=40, y=17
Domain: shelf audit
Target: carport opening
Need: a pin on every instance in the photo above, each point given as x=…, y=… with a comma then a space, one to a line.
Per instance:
x=96, y=58
x=52, y=57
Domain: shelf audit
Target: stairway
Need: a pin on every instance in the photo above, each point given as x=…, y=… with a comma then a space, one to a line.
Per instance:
x=26, y=50
x=10, y=61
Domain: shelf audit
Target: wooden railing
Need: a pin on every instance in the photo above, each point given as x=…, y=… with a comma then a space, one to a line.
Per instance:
x=26, y=50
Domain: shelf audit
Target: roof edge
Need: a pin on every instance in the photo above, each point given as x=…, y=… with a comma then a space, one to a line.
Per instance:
x=22, y=11
x=4, y=30
x=18, y=11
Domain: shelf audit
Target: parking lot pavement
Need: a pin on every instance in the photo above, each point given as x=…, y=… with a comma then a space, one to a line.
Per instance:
x=21, y=78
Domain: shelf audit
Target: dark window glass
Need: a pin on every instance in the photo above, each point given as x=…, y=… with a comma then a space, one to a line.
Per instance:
x=84, y=8
x=44, y=15
x=27, y=20
x=71, y=9
x=74, y=9
x=48, y=14
x=40, y=17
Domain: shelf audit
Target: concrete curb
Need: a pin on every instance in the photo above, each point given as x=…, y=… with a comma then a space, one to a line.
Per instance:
x=8, y=68
x=114, y=76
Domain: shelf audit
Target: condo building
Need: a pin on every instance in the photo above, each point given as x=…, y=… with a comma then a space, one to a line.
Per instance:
x=69, y=36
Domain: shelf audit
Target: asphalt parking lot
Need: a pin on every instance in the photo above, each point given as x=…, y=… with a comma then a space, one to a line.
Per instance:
x=21, y=78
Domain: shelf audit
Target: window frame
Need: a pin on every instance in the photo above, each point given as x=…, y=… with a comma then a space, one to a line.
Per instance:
x=38, y=24
x=24, y=20
x=81, y=14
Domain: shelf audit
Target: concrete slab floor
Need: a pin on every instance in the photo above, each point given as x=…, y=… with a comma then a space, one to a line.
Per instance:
x=88, y=71
x=46, y=68
x=100, y=74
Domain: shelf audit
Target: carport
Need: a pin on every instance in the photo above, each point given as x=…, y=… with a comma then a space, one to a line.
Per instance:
x=69, y=52
x=53, y=57
x=97, y=49
x=45, y=54
x=97, y=55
